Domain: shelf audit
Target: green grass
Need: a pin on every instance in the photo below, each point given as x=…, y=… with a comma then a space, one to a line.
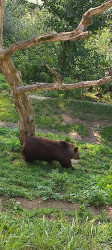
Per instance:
x=3, y=84
x=78, y=109
x=26, y=230
x=106, y=134
x=90, y=185
x=49, y=115
x=7, y=109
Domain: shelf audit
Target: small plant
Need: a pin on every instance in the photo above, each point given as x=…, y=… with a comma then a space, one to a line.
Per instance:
x=106, y=134
x=96, y=197
x=59, y=181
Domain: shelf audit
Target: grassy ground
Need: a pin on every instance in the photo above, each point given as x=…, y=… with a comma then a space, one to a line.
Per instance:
x=90, y=185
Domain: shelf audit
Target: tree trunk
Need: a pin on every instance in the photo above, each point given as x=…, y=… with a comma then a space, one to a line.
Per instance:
x=14, y=78
x=21, y=100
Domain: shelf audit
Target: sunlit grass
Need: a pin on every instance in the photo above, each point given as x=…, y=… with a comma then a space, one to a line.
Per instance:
x=28, y=230
x=106, y=134
x=7, y=109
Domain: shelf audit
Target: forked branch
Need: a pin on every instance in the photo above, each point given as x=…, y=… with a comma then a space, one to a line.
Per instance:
x=78, y=34
x=58, y=76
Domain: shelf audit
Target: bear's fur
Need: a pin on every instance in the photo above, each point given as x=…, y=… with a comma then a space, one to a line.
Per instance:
x=38, y=148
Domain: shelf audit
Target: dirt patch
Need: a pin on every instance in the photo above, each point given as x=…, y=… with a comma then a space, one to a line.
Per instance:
x=39, y=97
x=109, y=211
x=9, y=124
x=50, y=203
x=67, y=119
x=3, y=202
x=93, y=136
x=39, y=203
x=93, y=129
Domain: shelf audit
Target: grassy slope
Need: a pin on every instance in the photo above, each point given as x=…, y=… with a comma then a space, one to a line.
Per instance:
x=90, y=184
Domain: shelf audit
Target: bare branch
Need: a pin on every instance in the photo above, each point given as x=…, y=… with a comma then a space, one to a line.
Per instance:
x=54, y=86
x=2, y=5
x=53, y=37
x=78, y=34
x=87, y=16
x=58, y=77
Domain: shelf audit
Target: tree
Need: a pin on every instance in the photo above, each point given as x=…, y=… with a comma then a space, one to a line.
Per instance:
x=14, y=77
x=22, y=21
x=64, y=15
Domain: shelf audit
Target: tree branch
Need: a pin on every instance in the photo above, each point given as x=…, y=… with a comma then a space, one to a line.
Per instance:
x=58, y=76
x=54, y=86
x=53, y=37
x=87, y=16
x=78, y=34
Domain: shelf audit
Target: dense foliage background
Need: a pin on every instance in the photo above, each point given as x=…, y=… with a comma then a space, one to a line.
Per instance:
x=74, y=60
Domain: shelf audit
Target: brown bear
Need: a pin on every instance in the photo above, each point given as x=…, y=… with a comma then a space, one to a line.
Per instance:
x=38, y=148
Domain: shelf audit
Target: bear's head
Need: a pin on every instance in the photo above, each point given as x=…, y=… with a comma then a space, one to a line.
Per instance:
x=70, y=149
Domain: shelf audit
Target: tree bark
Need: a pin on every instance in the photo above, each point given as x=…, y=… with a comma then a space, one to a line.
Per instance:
x=21, y=100
x=63, y=86
x=2, y=5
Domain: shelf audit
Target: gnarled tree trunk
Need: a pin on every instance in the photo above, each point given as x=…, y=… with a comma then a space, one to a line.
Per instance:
x=14, y=78
x=21, y=100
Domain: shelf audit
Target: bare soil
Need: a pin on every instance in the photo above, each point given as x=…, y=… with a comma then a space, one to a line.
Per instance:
x=93, y=128
x=50, y=203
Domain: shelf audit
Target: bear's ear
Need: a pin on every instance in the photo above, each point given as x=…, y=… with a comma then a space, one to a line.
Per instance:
x=75, y=149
